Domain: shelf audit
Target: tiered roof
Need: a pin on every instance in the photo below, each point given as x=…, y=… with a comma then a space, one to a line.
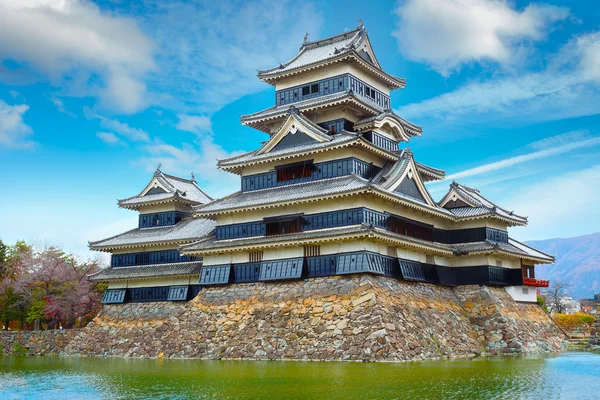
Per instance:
x=513, y=248
x=164, y=188
x=466, y=202
x=260, y=120
x=186, y=231
x=147, y=271
x=353, y=45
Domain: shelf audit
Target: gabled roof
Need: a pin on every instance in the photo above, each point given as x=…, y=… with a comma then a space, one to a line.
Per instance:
x=466, y=202
x=295, y=123
x=165, y=188
x=257, y=120
x=353, y=45
x=403, y=129
x=429, y=173
x=187, y=230
x=393, y=175
x=147, y=271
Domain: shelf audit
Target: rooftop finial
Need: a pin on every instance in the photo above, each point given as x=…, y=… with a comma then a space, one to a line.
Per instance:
x=193, y=177
x=306, y=38
x=360, y=23
x=158, y=167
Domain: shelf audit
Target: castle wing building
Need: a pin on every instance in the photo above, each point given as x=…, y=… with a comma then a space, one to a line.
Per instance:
x=146, y=263
x=334, y=189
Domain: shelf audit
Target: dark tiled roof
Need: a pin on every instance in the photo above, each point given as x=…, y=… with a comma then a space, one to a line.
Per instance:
x=336, y=140
x=478, y=205
x=186, y=230
x=281, y=110
x=147, y=271
x=177, y=188
x=513, y=247
x=212, y=243
x=298, y=191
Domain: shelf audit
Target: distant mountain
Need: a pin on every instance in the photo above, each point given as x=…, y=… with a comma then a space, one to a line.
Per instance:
x=577, y=263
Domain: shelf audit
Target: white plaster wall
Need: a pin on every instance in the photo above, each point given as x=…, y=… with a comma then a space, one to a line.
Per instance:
x=172, y=206
x=522, y=293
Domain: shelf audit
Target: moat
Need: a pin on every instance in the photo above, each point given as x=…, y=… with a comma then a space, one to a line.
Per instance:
x=564, y=376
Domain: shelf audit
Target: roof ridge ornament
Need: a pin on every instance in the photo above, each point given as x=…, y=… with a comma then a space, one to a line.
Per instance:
x=293, y=110
x=158, y=171
x=360, y=22
x=193, y=177
x=305, y=38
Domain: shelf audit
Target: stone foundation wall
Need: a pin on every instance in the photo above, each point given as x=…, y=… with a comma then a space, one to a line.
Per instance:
x=36, y=343
x=363, y=317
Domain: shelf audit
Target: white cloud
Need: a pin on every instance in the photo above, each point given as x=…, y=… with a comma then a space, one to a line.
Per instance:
x=562, y=206
x=551, y=146
x=75, y=45
x=200, y=158
x=447, y=34
x=109, y=138
x=213, y=48
x=197, y=124
x=13, y=130
x=568, y=87
x=123, y=129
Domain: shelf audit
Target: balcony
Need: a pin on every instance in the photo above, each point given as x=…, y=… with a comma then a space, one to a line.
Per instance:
x=535, y=282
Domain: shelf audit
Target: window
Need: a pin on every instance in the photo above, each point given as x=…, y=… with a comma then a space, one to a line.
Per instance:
x=528, y=271
x=255, y=256
x=409, y=228
x=294, y=171
x=314, y=88
x=525, y=290
x=283, y=226
x=305, y=90
x=156, y=221
x=312, y=251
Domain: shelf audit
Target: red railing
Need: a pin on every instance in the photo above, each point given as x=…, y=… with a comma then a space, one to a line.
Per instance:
x=535, y=282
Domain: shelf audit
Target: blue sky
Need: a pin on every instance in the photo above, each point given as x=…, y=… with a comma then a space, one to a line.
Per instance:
x=93, y=95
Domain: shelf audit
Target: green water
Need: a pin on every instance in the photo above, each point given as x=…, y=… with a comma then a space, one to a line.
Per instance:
x=567, y=376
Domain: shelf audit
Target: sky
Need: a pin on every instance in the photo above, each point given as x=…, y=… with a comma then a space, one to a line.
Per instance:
x=95, y=94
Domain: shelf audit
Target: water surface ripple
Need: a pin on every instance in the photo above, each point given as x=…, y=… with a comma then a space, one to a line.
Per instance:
x=566, y=376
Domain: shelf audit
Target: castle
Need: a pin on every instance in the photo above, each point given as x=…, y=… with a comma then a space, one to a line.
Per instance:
x=329, y=193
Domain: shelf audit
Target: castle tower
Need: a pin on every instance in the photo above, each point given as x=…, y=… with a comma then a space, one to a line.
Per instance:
x=330, y=192
x=146, y=264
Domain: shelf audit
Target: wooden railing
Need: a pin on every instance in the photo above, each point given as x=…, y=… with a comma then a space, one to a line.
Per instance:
x=535, y=282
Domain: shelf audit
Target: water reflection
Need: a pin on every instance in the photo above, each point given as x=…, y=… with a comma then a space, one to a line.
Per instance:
x=571, y=375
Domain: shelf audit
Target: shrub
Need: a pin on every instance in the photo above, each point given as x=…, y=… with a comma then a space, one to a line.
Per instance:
x=574, y=321
x=18, y=349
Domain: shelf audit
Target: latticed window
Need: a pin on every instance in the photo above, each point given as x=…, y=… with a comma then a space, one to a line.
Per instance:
x=284, y=224
x=312, y=251
x=255, y=256
x=294, y=171
x=410, y=228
